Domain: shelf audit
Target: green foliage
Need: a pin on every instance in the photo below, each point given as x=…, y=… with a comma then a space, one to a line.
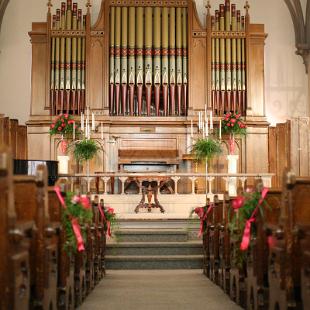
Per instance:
x=85, y=149
x=233, y=124
x=206, y=148
x=63, y=125
x=78, y=209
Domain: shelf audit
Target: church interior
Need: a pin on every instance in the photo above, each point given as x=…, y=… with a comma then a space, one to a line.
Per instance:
x=154, y=154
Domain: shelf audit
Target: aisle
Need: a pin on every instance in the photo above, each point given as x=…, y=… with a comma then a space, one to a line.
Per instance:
x=157, y=290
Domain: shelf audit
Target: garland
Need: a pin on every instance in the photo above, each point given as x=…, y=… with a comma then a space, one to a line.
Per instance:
x=77, y=213
x=206, y=148
x=233, y=124
x=243, y=213
x=108, y=217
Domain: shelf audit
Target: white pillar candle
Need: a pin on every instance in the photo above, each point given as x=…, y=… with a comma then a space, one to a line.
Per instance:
x=192, y=133
x=199, y=120
x=206, y=115
x=211, y=121
x=220, y=129
x=93, y=122
x=207, y=127
x=203, y=131
x=82, y=121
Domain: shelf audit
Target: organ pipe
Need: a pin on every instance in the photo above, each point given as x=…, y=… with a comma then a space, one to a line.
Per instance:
x=68, y=55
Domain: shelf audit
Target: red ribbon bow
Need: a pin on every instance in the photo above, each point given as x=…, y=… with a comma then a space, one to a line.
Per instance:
x=203, y=217
x=247, y=230
x=108, y=232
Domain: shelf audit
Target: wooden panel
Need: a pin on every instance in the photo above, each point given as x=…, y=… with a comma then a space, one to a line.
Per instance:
x=21, y=151
x=149, y=144
x=256, y=87
x=197, y=74
x=13, y=136
x=95, y=81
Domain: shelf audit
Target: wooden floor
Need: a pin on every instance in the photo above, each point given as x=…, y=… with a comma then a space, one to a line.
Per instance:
x=157, y=289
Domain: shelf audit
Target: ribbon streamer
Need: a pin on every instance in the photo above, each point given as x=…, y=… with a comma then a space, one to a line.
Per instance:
x=247, y=230
x=77, y=231
x=203, y=218
x=108, y=232
x=58, y=193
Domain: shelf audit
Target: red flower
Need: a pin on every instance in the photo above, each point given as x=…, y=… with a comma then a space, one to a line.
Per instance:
x=52, y=126
x=62, y=120
x=238, y=116
x=228, y=124
x=66, y=115
x=233, y=120
x=71, y=122
x=238, y=202
x=110, y=210
x=59, y=128
x=85, y=202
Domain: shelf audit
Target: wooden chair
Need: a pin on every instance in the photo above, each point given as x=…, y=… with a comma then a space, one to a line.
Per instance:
x=14, y=244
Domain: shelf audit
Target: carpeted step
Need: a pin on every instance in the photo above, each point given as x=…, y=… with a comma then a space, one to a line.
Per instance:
x=155, y=248
x=162, y=235
x=154, y=262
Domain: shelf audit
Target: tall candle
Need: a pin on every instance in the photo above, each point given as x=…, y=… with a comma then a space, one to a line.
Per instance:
x=82, y=121
x=199, y=120
x=206, y=115
x=207, y=127
x=101, y=129
x=203, y=131
x=211, y=121
x=220, y=129
x=93, y=122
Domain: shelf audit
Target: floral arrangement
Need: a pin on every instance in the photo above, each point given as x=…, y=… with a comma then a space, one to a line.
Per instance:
x=205, y=149
x=243, y=213
x=85, y=149
x=63, y=125
x=77, y=213
x=233, y=124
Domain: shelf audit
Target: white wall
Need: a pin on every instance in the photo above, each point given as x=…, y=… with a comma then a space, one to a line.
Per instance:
x=286, y=81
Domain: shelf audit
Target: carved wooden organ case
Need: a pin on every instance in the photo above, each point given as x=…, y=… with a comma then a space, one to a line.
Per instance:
x=150, y=63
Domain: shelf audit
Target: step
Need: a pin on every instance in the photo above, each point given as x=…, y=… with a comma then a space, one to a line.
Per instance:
x=162, y=235
x=154, y=262
x=155, y=248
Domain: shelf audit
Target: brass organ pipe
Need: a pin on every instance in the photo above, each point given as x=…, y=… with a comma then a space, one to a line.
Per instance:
x=217, y=64
x=239, y=63
x=124, y=62
x=131, y=53
x=79, y=62
x=53, y=64
x=222, y=59
x=139, y=59
x=117, y=61
x=112, y=54
x=83, y=63
x=234, y=58
x=68, y=54
x=62, y=56
x=165, y=62
x=184, y=52
x=172, y=72
x=157, y=57
x=213, y=103
x=243, y=56
x=74, y=61
x=179, y=56
x=148, y=44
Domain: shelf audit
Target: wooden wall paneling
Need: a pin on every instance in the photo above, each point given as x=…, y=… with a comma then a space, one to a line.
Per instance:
x=39, y=73
x=13, y=136
x=255, y=71
x=1, y=130
x=6, y=131
x=272, y=155
x=197, y=60
x=21, y=151
x=303, y=148
x=294, y=147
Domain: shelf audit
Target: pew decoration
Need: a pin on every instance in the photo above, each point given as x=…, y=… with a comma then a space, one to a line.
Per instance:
x=108, y=217
x=77, y=214
x=65, y=126
x=243, y=212
x=233, y=125
x=203, y=214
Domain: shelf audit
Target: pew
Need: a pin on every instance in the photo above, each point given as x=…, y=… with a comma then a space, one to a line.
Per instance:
x=224, y=247
x=14, y=244
x=258, y=253
x=65, y=286
x=284, y=268
x=31, y=203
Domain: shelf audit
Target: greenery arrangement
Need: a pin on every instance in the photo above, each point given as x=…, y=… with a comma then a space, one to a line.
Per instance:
x=243, y=209
x=63, y=125
x=85, y=149
x=233, y=124
x=78, y=208
x=205, y=149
